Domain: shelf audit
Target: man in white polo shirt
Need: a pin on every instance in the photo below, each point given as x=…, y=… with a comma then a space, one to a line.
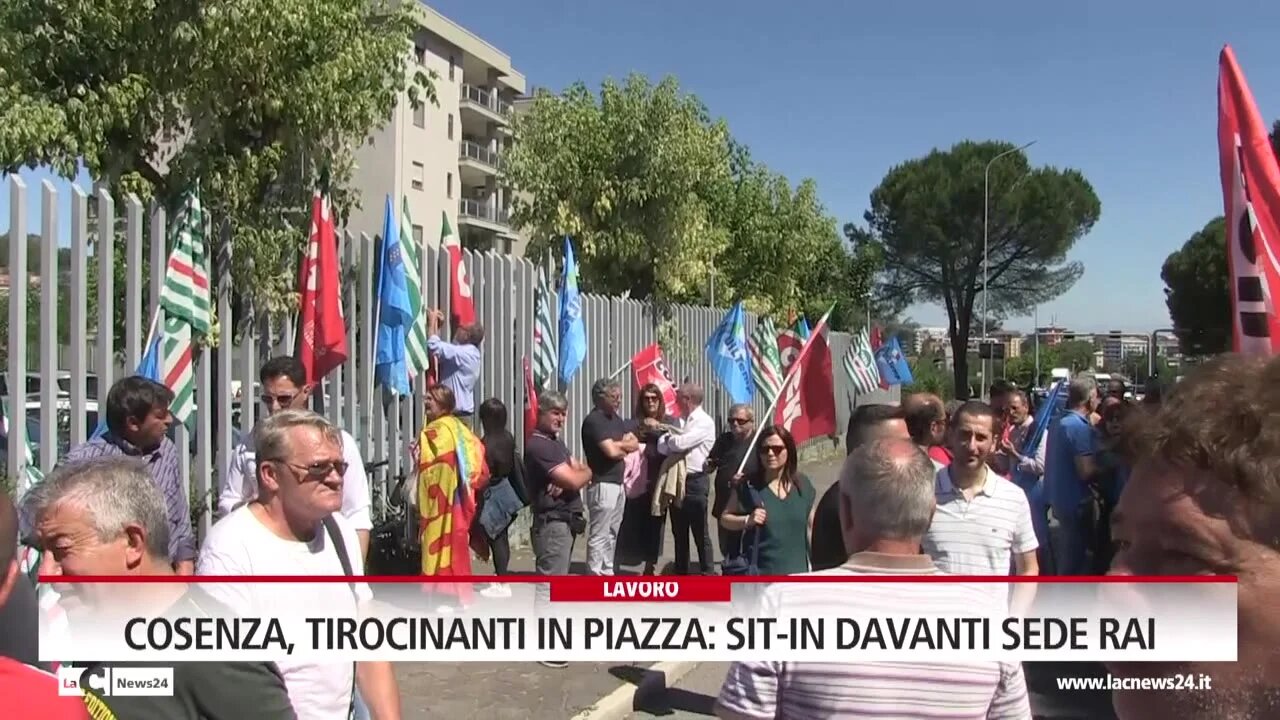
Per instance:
x=983, y=521
x=886, y=502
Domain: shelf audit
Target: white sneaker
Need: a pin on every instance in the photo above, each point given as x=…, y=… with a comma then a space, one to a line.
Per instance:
x=496, y=591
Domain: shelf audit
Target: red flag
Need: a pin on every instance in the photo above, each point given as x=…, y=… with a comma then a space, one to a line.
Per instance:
x=322, y=335
x=464, y=309
x=876, y=341
x=530, y=402
x=1251, y=197
x=807, y=407
x=648, y=366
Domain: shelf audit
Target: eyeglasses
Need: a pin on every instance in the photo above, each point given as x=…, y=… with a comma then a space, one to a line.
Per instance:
x=318, y=470
x=740, y=421
x=652, y=398
x=772, y=449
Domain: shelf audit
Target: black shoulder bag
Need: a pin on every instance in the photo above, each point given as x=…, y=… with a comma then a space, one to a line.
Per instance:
x=335, y=538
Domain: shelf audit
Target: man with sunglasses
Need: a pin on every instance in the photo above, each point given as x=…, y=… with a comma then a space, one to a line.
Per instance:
x=284, y=387
x=725, y=457
x=293, y=527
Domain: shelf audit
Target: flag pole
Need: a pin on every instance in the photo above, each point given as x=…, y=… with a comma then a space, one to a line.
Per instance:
x=618, y=372
x=151, y=333
x=791, y=374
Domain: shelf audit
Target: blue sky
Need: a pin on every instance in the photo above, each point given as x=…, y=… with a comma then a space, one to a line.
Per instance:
x=842, y=91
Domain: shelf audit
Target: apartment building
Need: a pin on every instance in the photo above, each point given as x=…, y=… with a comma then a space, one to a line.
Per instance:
x=1117, y=346
x=446, y=160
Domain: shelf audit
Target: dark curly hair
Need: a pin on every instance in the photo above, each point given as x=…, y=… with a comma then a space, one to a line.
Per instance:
x=1222, y=422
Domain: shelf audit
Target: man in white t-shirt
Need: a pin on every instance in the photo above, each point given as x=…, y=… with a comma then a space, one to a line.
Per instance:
x=284, y=386
x=287, y=529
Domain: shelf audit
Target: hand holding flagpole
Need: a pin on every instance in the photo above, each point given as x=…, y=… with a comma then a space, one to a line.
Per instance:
x=782, y=391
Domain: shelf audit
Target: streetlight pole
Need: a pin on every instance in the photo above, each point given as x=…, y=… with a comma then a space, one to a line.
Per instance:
x=986, y=213
x=1036, y=330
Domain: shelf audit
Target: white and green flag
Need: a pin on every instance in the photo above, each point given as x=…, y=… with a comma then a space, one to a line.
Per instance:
x=186, y=303
x=544, y=339
x=417, y=357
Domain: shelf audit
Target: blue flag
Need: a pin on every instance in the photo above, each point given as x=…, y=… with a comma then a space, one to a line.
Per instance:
x=148, y=368
x=728, y=355
x=802, y=327
x=395, y=312
x=1052, y=408
x=894, y=369
x=573, y=332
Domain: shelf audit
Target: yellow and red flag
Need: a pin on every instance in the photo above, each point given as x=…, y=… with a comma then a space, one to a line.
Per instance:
x=451, y=473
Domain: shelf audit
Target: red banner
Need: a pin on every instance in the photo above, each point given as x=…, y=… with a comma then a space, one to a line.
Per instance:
x=789, y=346
x=807, y=407
x=648, y=366
x=1251, y=197
x=530, y=402
x=322, y=335
x=641, y=589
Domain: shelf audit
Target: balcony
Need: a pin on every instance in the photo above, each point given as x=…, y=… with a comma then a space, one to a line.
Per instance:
x=477, y=163
x=482, y=215
x=483, y=105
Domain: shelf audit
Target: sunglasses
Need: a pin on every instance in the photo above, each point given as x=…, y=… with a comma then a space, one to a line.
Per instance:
x=772, y=449
x=652, y=398
x=319, y=470
x=281, y=400
x=739, y=421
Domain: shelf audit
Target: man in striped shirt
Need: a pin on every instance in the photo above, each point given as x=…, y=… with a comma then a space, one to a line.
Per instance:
x=886, y=505
x=138, y=421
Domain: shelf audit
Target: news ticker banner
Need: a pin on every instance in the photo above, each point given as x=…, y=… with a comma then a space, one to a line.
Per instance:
x=600, y=619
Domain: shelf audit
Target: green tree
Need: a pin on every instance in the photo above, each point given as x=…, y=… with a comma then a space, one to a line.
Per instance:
x=928, y=375
x=636, y=177
x=926, y=219
x=1197, y=293
x=657, y=197
x=254, y=100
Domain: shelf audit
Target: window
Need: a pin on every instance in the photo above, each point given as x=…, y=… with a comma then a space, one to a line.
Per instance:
x=420, y=115
x=420, y=54
x=417, y=235
x=452, y=63
x=450, y=126
x=448, y=185
x=418, y=179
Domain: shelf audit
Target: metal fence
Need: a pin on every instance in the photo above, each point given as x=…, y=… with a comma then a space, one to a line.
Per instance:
x=64, y=383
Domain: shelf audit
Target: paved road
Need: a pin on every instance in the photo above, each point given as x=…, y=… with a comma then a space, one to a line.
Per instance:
x=694, y=695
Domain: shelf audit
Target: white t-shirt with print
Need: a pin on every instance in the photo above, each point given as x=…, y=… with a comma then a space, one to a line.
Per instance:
x=240, y=544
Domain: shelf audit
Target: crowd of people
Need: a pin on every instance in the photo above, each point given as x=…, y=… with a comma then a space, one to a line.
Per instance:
x=1179, y=486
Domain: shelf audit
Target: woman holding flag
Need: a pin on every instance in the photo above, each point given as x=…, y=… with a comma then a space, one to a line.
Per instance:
x=451, y=472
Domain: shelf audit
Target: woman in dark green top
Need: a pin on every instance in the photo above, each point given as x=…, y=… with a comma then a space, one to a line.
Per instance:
x=777, y=504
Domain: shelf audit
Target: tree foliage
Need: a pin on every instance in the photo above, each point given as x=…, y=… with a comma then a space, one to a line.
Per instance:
x=926, y=221
x=1075, y=355
x=1197, y=292
x=252, y=99
x=658, y=197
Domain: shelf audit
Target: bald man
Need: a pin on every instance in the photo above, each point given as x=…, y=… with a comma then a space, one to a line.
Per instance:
x=868, y=424
x=927, y=423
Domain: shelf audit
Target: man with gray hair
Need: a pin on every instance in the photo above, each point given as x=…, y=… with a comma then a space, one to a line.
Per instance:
x=606, y=442
x=104, y=516
x=294, y=526
x=886, y=506
x=554, y=478
x=697, y=435
x=1069, y=467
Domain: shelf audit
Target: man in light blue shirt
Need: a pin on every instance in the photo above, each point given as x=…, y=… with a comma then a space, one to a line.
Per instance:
x=1069, y=467
x=459, y=361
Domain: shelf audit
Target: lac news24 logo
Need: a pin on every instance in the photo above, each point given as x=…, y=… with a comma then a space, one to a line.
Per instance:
x=121, y=681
